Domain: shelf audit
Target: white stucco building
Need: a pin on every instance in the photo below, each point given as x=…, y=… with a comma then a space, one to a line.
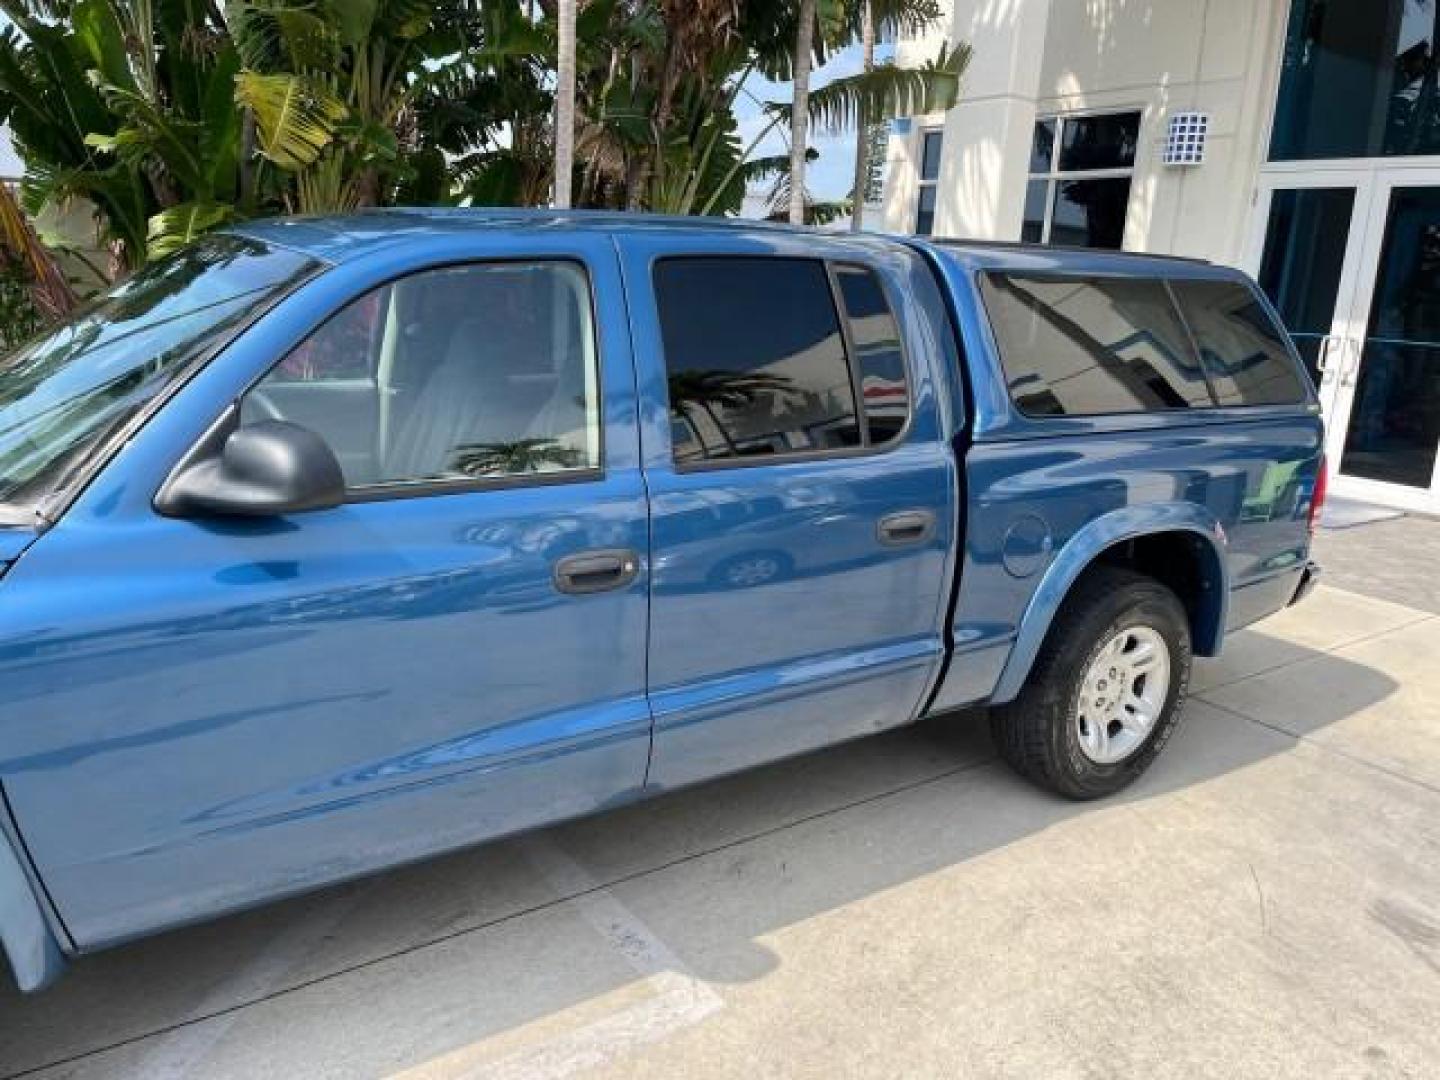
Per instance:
x=1319, y=173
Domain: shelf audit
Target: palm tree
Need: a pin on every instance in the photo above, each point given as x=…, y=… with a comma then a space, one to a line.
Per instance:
x=329, y=82
x=131, y=106
x=478, y=125
x=862, y=119
x=656, y=86
x=127, y=106
x=881, y=92
x=565, y=105
x=800, y=113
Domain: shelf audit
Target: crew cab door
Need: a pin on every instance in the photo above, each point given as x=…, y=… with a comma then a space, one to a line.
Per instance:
x=201, y=714
x=801, y=494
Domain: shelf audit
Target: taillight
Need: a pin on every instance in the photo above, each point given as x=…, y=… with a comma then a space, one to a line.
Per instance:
x=1317, y=497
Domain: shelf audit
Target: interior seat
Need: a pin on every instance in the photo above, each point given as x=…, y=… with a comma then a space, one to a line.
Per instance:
x=482, y=392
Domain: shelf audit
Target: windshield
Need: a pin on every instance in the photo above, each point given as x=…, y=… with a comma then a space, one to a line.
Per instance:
x=64, y=394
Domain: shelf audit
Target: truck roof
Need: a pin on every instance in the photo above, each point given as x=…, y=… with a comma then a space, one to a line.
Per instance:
x=349, y=235
x=340, y=238
x=970, y=256
x=999, y=250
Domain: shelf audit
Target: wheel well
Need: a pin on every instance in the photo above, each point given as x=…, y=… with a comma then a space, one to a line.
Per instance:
x=1187, y=564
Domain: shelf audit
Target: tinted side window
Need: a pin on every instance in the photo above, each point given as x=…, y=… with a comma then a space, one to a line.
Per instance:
x=345, y=348
x=1078, y=346
x=1243, y=350
x=466, y=373
x=879, y=357
x=754, y=357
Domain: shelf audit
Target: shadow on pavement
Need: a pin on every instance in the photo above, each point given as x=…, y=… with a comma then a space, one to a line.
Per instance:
x=475, y=945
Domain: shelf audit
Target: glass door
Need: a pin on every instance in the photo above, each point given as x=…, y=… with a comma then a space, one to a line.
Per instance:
x=1306, y=254
x=1386, y=407
x=1350, y=255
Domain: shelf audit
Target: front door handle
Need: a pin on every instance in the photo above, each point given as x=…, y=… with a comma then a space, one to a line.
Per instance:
x=596, y=571
x=906, y=527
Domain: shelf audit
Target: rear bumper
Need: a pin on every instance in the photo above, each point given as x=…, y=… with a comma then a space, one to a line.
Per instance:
x=1308, y=580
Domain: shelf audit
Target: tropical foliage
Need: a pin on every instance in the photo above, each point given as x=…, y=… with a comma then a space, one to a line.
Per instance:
x=33, y=291
x=130, y=107
x=169, y=118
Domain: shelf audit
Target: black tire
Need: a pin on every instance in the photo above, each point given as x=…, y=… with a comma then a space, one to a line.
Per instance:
x=1038, y=733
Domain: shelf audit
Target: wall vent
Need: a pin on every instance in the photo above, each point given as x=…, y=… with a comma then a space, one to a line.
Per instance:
x=1185, y=140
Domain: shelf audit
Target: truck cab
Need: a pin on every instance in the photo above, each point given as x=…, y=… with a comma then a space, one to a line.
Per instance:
x=333, y=544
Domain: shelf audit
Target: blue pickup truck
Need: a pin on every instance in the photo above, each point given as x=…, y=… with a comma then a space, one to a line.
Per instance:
x=333, y=544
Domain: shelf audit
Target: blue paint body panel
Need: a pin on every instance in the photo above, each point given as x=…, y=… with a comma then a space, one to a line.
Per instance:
x=201, y=715
x=13, y=542
x=1093, y=482
x=841, y=636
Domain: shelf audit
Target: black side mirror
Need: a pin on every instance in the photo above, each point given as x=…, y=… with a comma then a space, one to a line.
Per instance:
x=261, y=470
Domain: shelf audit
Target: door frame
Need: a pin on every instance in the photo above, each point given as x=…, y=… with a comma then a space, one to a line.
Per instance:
x=1374, y=181
x=1385, y=180
x=1335, y=351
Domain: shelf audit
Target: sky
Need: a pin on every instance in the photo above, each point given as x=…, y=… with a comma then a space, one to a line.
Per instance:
x=10, y=166
x=829, y=177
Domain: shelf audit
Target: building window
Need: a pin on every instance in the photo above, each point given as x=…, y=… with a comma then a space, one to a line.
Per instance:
x=1080, y=173
x=931, y=143
x=1358, y=79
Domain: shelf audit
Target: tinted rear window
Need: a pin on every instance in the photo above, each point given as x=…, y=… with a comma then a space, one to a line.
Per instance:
x=1081, y=346
x=755, y=358
x=879, y=357
x=1245, y=352
x=1091, y=346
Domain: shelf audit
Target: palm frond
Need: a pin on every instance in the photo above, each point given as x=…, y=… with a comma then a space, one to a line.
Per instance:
x=181, y=225
x=890, y=90
x=282, y=33
x=760, y=170
x=49, y=291
x=295, y=117
x=326, y=187
x=100, y=33
x=902, y=18
x=822, y=212
x=152, y=129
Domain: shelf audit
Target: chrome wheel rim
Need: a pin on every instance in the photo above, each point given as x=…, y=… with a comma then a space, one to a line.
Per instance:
x=1122, y=694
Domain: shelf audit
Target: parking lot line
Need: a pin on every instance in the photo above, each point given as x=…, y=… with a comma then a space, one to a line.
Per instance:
x=180, y=1052
x=677, y=998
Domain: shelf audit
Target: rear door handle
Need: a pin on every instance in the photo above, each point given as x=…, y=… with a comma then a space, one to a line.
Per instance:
x=596, y=571
x=906, y=527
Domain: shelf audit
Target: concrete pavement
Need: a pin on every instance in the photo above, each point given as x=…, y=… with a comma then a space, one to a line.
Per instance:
x=1266, y=902
x=1397, y=559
